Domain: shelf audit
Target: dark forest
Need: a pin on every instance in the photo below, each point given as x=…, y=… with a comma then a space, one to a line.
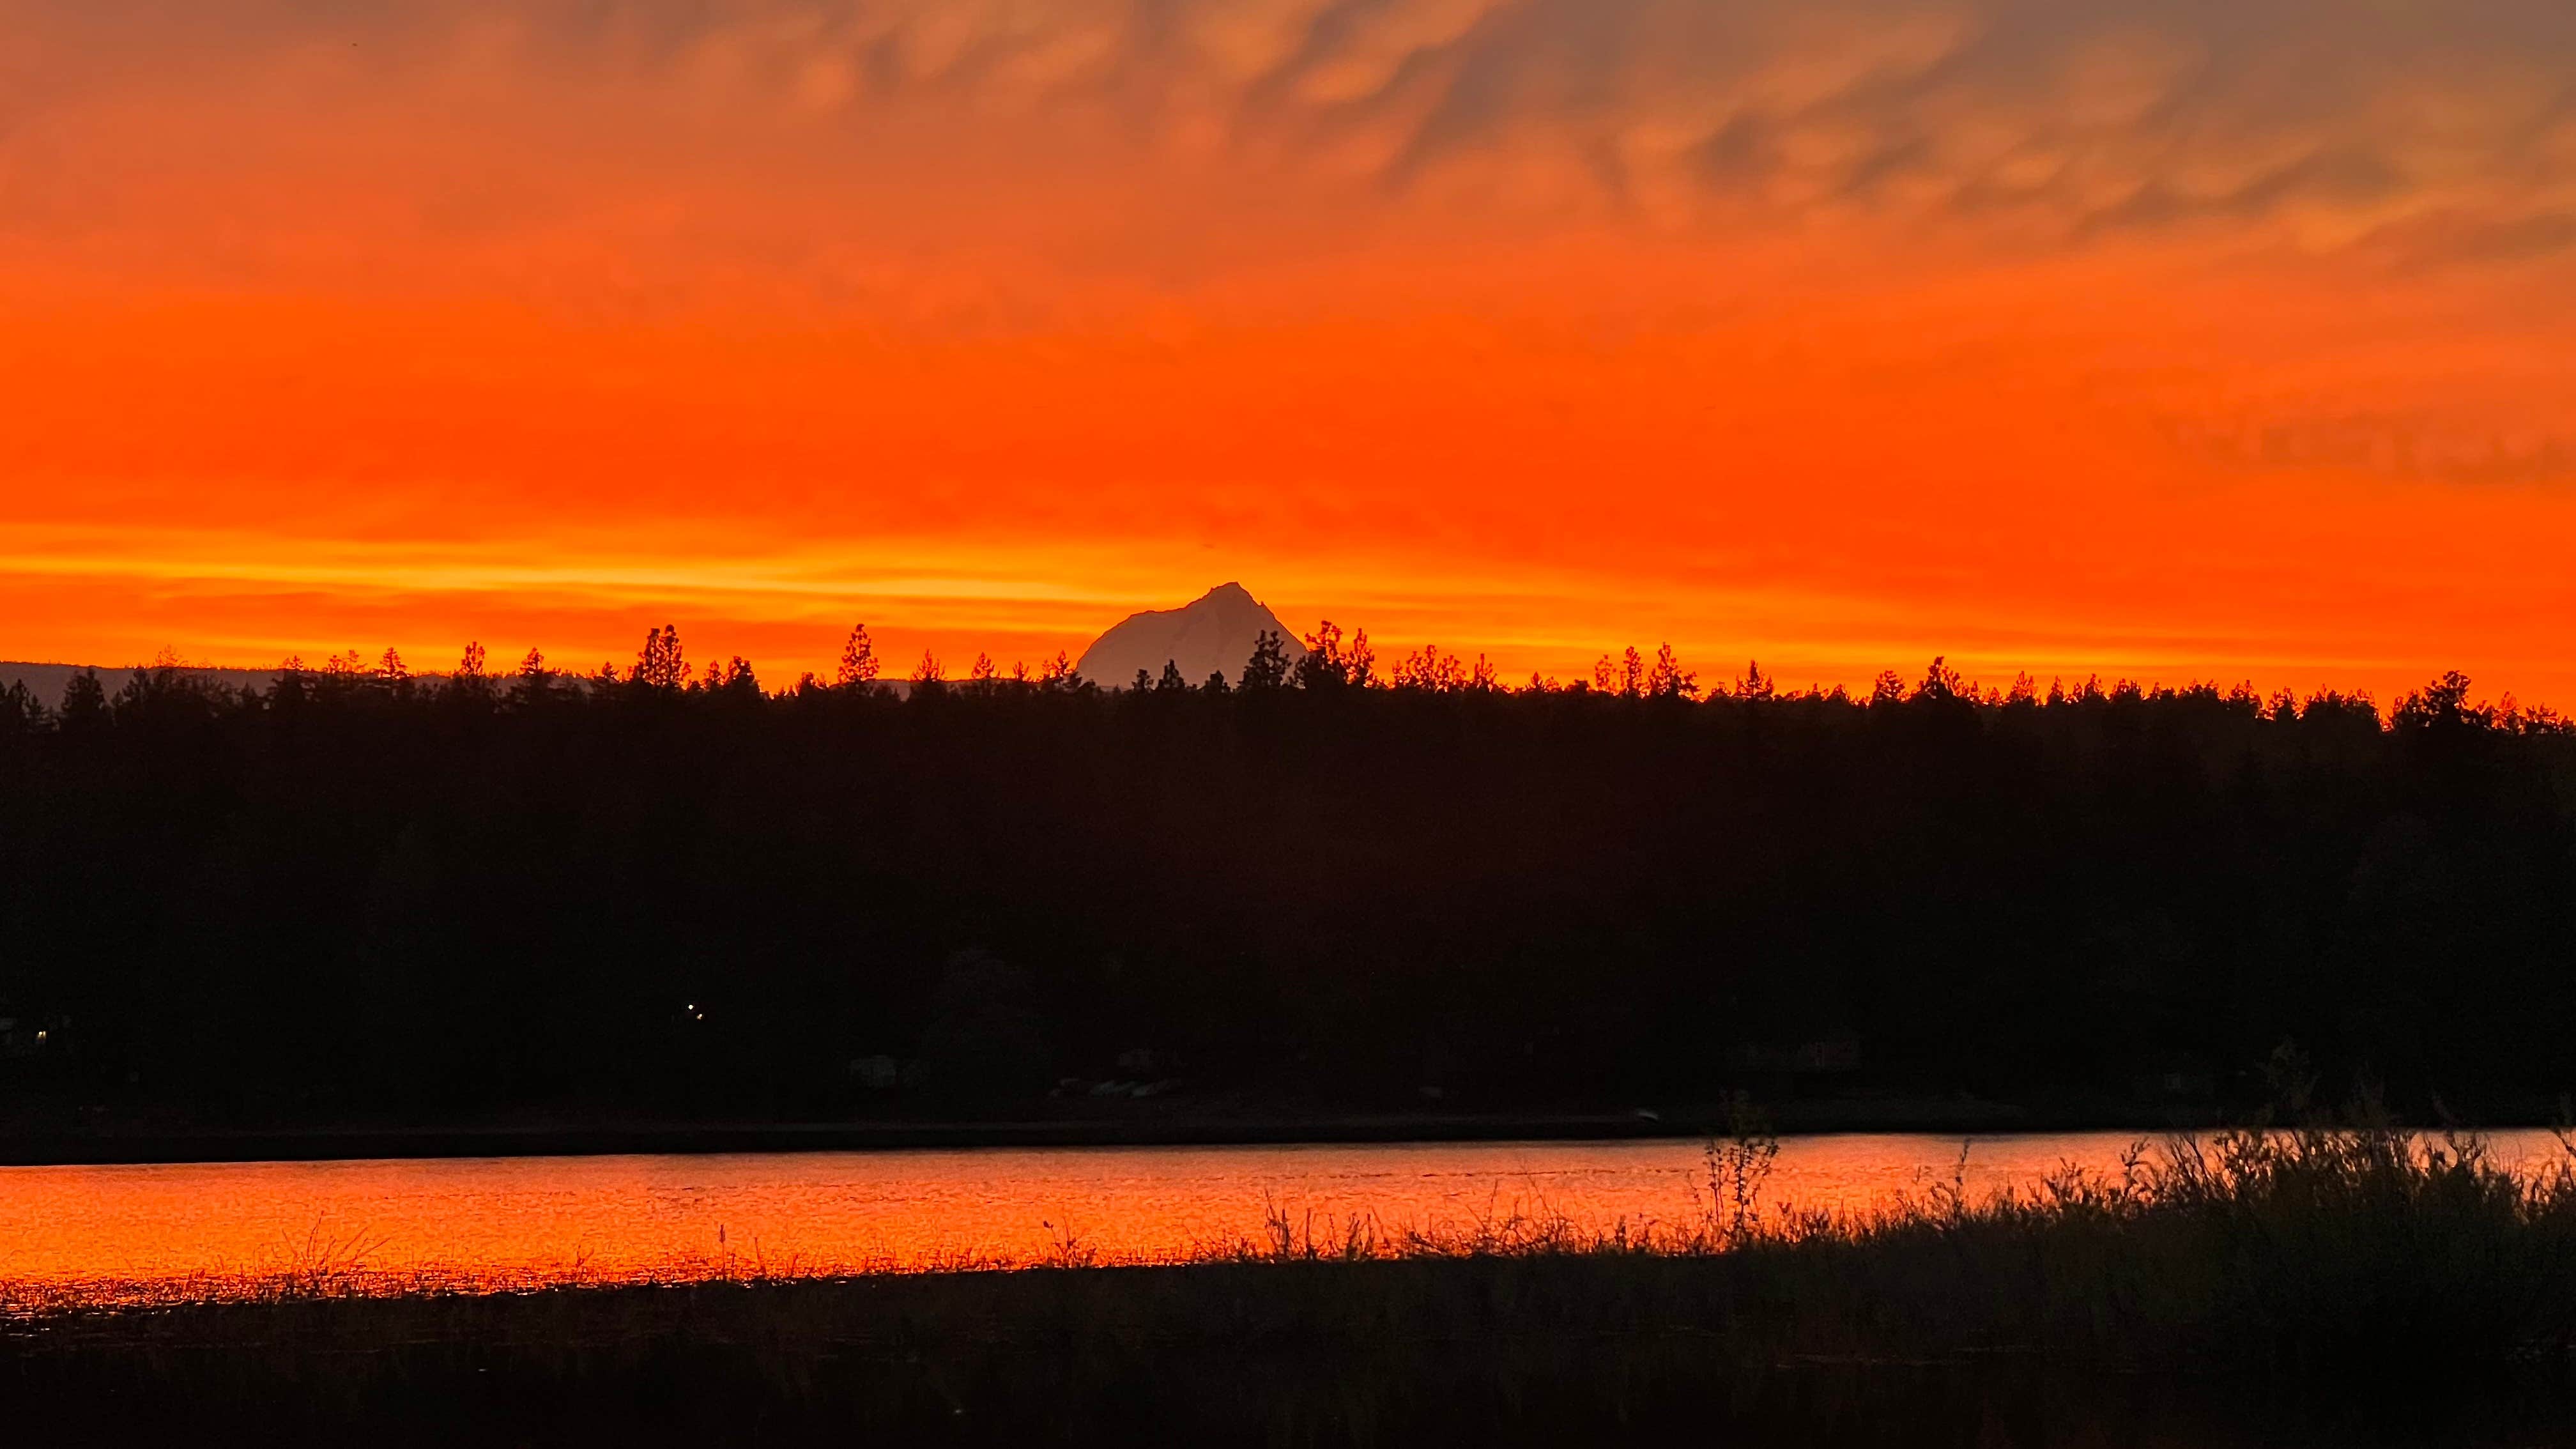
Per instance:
x=362, y=893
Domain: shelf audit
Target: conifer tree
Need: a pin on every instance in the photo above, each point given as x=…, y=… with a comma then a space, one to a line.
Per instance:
x=858, y=660
x=660, y=664
x=1268, y=666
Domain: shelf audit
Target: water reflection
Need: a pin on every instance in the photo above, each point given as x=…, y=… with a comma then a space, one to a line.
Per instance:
x=129, y=1232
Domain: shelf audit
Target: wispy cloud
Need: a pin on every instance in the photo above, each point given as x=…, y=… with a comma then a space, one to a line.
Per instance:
x=2028, y=121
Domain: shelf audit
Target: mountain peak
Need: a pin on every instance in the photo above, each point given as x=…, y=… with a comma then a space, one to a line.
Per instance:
x=1212, y=634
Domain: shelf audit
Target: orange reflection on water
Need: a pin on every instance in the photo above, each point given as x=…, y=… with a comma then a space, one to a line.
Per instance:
x=139, y=1233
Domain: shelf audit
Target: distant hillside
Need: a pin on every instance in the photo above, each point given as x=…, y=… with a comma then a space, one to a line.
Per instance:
x=1212, y=634
x=46, y=681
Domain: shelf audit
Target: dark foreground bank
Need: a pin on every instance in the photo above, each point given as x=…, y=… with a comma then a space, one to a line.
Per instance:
x=1497, y=1352
x=2368, y=1287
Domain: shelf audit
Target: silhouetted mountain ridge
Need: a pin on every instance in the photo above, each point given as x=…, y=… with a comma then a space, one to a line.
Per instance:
x=46, y=681
x=1212, y=634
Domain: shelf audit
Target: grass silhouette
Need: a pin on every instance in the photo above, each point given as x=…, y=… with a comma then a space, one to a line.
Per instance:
x=2306, y=1264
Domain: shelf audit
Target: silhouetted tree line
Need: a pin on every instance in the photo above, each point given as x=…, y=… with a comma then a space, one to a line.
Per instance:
x=654, y=889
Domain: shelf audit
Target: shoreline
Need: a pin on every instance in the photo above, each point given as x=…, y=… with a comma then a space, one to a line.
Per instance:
x=2092, y=1320
x=115, y=1146
x=2305, y=1273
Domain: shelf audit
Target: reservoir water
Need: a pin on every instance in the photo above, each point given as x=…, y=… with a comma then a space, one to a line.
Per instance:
x=140, y=1233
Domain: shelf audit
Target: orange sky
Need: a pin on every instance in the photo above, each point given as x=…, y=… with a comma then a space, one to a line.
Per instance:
x=2175, y=339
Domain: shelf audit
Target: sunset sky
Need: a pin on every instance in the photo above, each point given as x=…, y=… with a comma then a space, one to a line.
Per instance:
x=2180, y=339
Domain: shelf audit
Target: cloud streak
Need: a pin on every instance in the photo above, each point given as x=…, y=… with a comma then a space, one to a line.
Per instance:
x=2022, y=122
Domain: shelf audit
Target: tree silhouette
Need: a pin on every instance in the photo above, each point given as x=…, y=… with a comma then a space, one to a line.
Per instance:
x=1755, y=684
x=531, y=684
x=660, y=664
x=1267, y=669
x=1430, y=669
x=21, y=713
x=735, y=677
x=1666, y=679
x=84, y=706
x=1360, y=663
x=858, y=668
x=2440, y=705
x=471, y=684
x=2034, y=896
x=1324, y=666
x=1941, y=684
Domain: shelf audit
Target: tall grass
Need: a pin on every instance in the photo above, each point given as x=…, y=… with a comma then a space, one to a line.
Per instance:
x=2314, y=1248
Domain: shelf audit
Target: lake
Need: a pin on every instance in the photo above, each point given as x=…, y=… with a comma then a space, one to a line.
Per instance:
x=140, y=1233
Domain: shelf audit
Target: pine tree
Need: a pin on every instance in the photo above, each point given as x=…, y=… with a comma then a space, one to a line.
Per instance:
x=858, y=660
x=1668, y=680
x=533, y=680
x=661, y=664
x=84, y=703
x=1755, y=684
x=1268, y=666
x=1323, y=667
